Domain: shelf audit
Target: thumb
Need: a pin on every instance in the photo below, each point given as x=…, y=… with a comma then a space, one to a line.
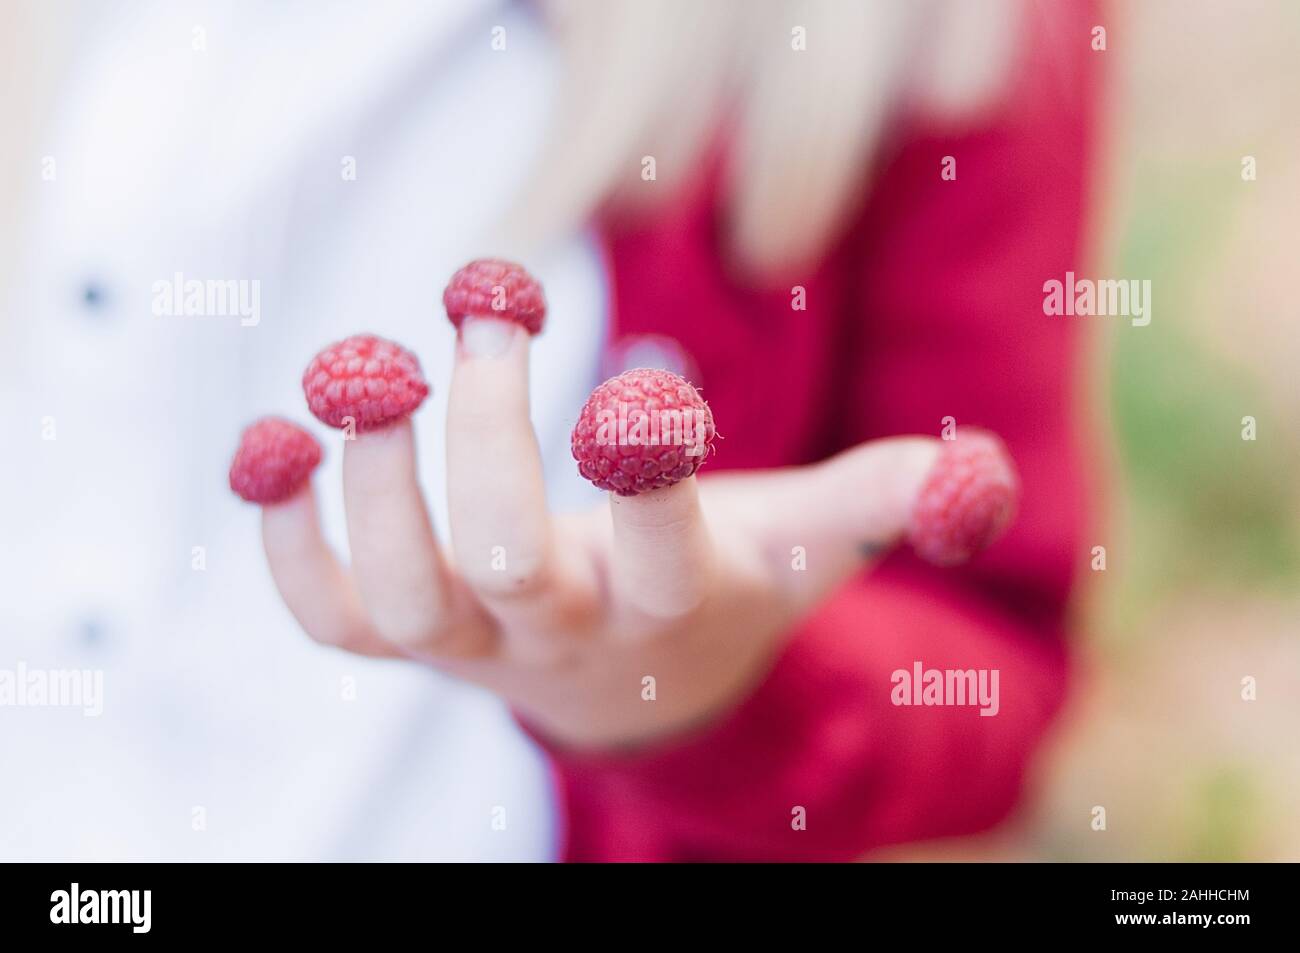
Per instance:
x=820, y=524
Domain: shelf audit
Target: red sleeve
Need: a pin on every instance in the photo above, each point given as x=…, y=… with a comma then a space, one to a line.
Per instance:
x=820, y=734
x=947, y=281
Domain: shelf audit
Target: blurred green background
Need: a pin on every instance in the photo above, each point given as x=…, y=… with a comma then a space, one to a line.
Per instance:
x=1201, y=528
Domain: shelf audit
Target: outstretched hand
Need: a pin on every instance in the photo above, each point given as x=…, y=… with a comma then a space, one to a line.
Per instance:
x=692, y=585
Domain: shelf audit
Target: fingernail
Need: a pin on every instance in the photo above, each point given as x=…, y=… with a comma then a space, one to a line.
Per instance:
x=487, y=337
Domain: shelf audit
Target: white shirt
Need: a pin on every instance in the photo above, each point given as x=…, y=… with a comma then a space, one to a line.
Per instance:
x=212, y=139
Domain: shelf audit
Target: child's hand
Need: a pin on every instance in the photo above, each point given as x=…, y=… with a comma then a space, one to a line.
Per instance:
x=565, y=617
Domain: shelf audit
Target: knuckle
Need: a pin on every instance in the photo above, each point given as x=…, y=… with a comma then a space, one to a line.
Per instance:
x=407, y=630
x=517, y=579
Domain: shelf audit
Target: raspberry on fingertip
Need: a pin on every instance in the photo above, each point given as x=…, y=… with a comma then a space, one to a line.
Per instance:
x=274, y=461
x=492, y=288
x=366, y=379
x=643, y=430
x=967, y=501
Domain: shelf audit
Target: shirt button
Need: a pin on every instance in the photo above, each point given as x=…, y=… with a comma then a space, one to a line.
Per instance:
x=92, y=631
x=93, y=296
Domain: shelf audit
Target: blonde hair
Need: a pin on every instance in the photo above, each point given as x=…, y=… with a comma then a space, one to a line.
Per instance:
x=656, y=79
x=660, y=78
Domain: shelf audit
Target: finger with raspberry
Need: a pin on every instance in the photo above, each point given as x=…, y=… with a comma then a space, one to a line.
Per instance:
x=641, y=436
x=368, y=387
x=501, y=531
x=273, y=467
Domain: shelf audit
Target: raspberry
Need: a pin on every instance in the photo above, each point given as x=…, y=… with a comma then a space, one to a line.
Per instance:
x=274, y=460
x=493, y=288
x=367, y=378
x=642, y=430
x=968, y=499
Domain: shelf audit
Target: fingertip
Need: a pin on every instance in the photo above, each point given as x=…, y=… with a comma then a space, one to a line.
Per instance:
x=658, y=509
x=380, y=458
x=662, y=549
x=488, y=338
x=290, y=524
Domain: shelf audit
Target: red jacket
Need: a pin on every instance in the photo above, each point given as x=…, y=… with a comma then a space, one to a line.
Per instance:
x=930, y=307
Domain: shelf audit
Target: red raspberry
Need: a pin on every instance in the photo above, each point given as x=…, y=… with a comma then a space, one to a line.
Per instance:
x=367, y=378
x=493, y=288
x=274, y=460
x=642, y=430
x=968, y=499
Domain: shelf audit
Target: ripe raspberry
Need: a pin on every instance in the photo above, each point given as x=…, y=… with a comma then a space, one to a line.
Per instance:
x=642, y=430
x=493, y=288
x=274, y=460
x=367, y=378
x=968, y=499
